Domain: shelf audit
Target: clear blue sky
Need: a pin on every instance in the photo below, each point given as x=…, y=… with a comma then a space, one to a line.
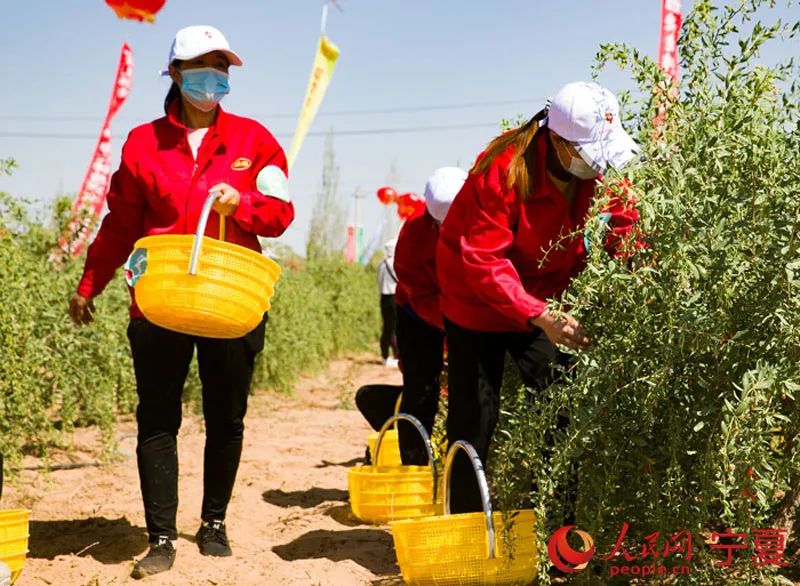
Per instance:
x=61, y=55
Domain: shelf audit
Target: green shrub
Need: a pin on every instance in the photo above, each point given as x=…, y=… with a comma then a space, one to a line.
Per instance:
x=684, y=415
x=53, y=375
x=320, y=311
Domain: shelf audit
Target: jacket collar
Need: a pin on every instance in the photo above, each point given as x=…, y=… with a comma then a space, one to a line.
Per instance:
x=174, y=118
x=543, y=186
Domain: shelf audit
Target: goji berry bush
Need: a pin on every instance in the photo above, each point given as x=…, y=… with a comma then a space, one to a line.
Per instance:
x=684, y=415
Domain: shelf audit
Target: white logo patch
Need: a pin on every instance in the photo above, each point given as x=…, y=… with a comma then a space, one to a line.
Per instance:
x=272, y=181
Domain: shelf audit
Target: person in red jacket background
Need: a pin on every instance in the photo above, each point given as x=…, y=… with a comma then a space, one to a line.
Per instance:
x=420, y=327
x=168, y=168
x=513, y=240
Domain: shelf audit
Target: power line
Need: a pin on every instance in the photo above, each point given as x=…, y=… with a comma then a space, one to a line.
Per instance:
x=358, y=112
x=400, y=130
x=336, y=133
x=419, y=108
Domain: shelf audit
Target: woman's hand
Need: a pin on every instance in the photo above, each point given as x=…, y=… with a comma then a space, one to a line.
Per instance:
x=228, y=199
x=565, y=330
x=81, y=309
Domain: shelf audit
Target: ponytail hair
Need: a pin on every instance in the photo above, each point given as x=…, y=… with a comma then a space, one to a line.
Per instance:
x=520, y=169
x=174, y=90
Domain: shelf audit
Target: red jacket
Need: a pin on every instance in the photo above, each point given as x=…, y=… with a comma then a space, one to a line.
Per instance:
x=158, y=189
x=415, y=265
x=491, y=256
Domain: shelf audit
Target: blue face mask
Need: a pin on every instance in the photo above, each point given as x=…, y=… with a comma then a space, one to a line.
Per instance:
x=204, y=87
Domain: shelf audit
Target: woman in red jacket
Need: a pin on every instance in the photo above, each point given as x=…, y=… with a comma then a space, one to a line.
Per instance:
x=168, y=168
x=511, y=241
x=420, y=329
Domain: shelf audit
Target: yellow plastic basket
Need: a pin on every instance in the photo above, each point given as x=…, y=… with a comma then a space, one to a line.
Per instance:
x=379, y=494
x=390, y=446
x=465, y=549
x=14, y=539
x=221, y=293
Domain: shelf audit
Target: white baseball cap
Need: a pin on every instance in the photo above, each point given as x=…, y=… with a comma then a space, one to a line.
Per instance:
x=441, y=189
x=587, y=115
x=193, y=41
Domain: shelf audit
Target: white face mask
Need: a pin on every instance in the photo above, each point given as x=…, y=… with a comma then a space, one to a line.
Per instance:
x=580, y=168
x=575, y=166
x=204, y=87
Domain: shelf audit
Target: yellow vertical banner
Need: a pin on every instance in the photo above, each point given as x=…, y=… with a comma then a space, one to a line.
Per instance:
x=324, y=62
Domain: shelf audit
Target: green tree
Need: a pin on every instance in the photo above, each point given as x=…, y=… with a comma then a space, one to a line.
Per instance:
x=326, y=234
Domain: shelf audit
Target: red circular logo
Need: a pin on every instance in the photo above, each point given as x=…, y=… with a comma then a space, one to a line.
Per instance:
x=563, y=556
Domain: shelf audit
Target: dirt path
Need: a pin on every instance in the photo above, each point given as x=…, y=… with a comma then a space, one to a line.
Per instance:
x=289, y=520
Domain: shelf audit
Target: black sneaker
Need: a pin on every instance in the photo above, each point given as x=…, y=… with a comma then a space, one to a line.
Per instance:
x=159, y=559
x=212, y=539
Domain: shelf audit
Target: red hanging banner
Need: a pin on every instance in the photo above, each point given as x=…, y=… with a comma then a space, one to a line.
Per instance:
x=88, y=205
x=350, y=246
x=668, y=57
x=668, y=43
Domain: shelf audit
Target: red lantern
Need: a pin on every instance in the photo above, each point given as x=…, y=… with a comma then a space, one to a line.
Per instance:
x=387, y=195
x=409, y=205
x=418, y=204
x=402, y=206
x=141, y=10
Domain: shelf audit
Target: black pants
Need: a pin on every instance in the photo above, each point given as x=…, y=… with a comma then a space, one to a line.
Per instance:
x=475, y=376
x=161, y=360
x=388, y=339
x=421, y=346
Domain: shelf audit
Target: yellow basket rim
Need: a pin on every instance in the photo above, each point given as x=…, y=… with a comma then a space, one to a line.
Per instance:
x=161, y=242
x=457, y=517
x=274, y=272
x=371, y=469
x=14, y=513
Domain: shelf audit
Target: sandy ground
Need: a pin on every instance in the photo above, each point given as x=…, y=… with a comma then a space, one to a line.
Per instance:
x=289, y=521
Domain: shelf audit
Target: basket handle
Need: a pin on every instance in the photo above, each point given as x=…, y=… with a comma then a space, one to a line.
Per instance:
x=482, y=485
x=201, y=230
x=421, y=429
x=397, y=407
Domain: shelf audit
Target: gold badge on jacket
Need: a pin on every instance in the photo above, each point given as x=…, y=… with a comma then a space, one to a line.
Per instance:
x=241, y=164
